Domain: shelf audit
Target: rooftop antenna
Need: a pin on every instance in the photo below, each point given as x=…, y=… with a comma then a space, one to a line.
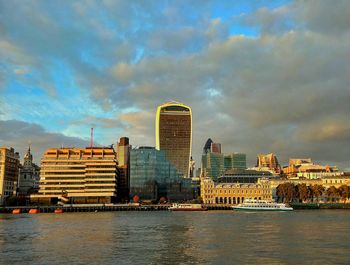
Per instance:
x=92, y=138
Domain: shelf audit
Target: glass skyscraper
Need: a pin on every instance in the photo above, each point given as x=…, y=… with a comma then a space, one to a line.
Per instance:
x=174, y=134
x=152, y=176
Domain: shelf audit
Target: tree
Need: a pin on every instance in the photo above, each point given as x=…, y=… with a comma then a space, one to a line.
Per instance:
x=344, y=192
x=332, y=193
x=302, y=192
x=317, y=191
x=286, y=192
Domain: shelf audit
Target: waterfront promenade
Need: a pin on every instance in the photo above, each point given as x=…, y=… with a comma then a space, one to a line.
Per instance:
x=152, y=207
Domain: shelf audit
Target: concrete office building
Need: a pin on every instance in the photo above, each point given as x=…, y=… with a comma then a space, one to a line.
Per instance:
x=9, y=173
x=78, y=175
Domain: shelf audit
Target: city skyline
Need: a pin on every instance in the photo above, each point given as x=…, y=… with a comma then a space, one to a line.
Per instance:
x=260, y=77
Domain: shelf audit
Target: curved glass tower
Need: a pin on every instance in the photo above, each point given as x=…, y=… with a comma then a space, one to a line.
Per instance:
x=174, y=134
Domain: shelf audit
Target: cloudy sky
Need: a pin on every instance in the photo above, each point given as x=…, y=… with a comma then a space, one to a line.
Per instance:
x=260, y=76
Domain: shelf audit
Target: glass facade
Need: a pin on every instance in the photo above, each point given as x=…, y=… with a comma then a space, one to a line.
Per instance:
x=235, y=161
x=215, y=164
x=152, y=176
x=174, y=134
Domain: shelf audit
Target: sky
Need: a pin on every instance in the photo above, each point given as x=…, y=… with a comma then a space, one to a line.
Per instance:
x=260, y=76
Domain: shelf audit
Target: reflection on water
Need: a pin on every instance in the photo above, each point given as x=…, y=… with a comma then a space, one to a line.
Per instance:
x=227, y=237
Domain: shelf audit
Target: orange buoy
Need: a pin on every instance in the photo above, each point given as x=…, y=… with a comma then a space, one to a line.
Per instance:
x=58, y=210
x=34, y=211
x=16, y=211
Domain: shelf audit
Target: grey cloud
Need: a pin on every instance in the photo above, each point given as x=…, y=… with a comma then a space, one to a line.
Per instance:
x=18, y=134
x=269, y=93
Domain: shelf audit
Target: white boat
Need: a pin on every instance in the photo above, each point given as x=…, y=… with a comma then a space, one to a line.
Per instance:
x=261, y=205
x=187, y=207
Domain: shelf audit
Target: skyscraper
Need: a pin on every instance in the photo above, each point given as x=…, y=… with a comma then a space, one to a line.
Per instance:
x=123, y=158
x=174, y=134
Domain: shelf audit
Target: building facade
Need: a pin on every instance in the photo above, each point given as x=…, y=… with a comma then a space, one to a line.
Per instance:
x=152, y=176
x=29, y=176
x=78, y=175
x=229, y=193
x=174, y=134
x=268, y=162
x=305, y=168
x=214, y=163
x=123, y=158
x=235, y=161
x=9, y=173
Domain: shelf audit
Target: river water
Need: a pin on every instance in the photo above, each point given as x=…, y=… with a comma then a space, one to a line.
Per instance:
x=213, y=237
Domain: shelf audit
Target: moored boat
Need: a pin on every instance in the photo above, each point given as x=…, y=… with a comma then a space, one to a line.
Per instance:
x=261, y=205
x=16, y=211
x=34, y=211
x=187, y=207
x=58, y=210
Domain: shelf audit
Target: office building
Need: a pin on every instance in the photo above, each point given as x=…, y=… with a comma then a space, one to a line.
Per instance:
x=214, y=163
x=235, y=161
x=9, y=173
x=78, y=175
x=123, y=159
x=174, y=134
x=152, y=176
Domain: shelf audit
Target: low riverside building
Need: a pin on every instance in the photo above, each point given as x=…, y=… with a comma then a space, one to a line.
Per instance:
x=29, y=175
x=231, y=193
x=152, y=176
x=78, y=175
x=243, y=176
x=336, y=181
x=9, y=172
x=305, y=168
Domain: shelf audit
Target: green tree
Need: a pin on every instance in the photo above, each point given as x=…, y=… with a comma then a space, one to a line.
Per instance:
x=332, y=193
